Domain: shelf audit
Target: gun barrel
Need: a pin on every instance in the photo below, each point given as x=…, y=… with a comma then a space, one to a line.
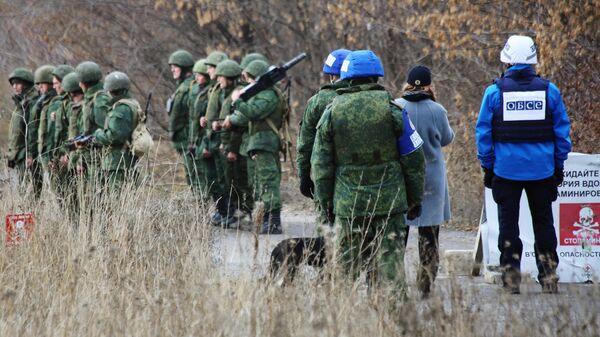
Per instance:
x=293, y=61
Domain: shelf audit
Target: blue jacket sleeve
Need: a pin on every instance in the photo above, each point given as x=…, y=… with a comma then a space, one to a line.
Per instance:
x=562, y=126
x=483, y=130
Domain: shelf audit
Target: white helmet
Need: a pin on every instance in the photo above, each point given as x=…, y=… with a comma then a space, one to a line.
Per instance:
x=519, y=49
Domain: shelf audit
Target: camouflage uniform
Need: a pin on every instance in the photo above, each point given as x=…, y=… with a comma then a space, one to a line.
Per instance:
x=95, y=108
x=308, y=128
x=179, y=123
x=115, y=138
x=361, y=178
x=263, y=144
x=18, y=132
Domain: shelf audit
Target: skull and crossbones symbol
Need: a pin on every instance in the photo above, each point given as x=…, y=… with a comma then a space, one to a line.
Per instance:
x=586, y=224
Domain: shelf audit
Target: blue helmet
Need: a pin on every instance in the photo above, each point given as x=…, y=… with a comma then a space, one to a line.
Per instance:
x=361, y=63
x=334, y=61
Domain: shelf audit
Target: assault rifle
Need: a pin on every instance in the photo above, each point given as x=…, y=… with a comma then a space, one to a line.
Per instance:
x=268, y=79
x=82, y=139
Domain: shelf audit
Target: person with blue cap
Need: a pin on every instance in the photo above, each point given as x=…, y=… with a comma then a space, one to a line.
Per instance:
x=431, y=122
x=523, y=140
x=368, y=167
x=308, y=126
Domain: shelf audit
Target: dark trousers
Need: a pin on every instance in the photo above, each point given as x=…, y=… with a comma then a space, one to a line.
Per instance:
x=540, y=194
x=429, y=258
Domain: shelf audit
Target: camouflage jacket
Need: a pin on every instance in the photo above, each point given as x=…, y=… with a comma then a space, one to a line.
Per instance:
x=116, y=134
x=355, y=162
x=95, y=108
x=231, y=139
x=75, y=116
x=308, y=126
x=19, y=121
x=197, y=133
x=36, y=128
x=47, y=128
x=180, y=114
x=267, y=104
x=61, y=130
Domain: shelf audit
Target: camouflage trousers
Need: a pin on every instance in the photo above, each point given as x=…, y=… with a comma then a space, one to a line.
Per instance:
x=29, y=176
x=265, y=170
x=237, y=188
x=214, y=180
x=374, y=245
x=116, y=180
x=197, y=175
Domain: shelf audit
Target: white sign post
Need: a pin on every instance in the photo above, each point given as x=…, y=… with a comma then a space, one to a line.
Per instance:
x=576, y=221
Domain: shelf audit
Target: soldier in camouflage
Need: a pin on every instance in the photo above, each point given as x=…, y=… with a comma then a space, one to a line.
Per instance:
x=93, y=116
x=115, y=138
x=25, y=97
x=56, y=133
x=181, y=62
x=212, y=141
x=363, y=177
x=263, y=114
x=238, y=193
x=36, y=158
x=69, y=156
x=197, y=106
x=308, y=126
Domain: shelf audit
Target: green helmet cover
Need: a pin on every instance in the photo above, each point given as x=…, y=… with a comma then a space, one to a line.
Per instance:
x=257, y=68
x=89, y=71
x=181, y=58
x=22, y=74
x=228, y=68
x=116, y=81
x=215, y=58
x=70, y=83
x=61, y=71
x=252, y=57
x=43, y=74
x=200, y=67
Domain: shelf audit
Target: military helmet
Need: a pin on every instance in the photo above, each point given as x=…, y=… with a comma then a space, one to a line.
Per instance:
x=181, y=58
x=360, y=64
x=257, y=68
x=61, y=71
x=200, y=67
x=334, y=61
x=116, y=81
x=215, y=58
x=228, y=68
x=43, y=74
x=252, y=57
x=89, y=71
x=22, y=74
x=70, y=83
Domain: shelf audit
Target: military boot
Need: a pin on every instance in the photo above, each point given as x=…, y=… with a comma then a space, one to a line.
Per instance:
x=271, y=223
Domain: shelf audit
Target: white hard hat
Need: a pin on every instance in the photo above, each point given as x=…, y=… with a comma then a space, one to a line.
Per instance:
x=519, y=49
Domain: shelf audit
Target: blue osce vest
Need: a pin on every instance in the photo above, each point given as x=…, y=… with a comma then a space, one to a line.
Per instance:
x=523, y=115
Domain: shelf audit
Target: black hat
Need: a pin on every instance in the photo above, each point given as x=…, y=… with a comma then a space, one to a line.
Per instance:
x=419, y=76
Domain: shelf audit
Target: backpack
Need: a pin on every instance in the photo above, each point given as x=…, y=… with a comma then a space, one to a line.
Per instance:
x=141, y=141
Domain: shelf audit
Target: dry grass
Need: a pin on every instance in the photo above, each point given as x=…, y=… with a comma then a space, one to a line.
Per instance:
x=144, y=265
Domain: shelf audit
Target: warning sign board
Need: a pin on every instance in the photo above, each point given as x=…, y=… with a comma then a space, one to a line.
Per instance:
x=19, y=227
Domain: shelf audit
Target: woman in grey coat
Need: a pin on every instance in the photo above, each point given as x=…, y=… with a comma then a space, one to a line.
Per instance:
x=431, y=122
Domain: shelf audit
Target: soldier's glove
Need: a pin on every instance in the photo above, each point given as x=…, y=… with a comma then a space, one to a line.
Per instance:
x=559, y=176
x=11, y=163
x=488, y=175
x=414, y=212
x=307, y=187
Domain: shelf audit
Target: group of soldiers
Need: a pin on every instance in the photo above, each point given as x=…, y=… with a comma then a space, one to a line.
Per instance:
x=69, y=123
x=73, y=123
x=230, y=147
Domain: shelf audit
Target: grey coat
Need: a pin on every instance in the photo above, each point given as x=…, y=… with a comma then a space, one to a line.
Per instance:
x=431, y=121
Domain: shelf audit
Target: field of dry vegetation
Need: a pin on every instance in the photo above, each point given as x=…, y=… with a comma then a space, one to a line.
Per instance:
x=144, y=264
